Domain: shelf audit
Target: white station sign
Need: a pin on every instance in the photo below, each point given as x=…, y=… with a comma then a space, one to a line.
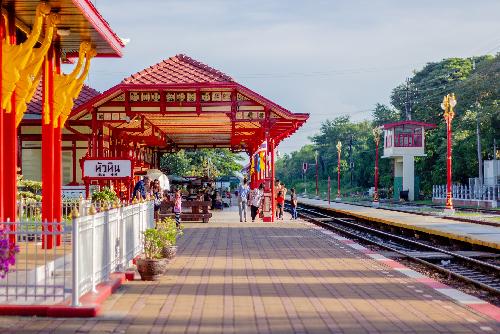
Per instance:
x=107, y=168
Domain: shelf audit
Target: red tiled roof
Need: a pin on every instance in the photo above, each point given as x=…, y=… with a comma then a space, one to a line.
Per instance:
x=35, y=106
x=179, y=69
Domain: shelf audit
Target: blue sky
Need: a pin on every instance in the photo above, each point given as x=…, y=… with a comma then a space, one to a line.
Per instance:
x=326, y=58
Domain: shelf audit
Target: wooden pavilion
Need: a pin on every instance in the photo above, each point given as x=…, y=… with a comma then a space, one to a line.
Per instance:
x=181, y=103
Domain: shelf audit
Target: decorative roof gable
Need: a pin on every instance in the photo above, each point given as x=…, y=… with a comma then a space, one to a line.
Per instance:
x=179, y=69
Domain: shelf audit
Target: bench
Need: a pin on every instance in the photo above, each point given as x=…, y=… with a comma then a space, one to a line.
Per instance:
x=198, y=211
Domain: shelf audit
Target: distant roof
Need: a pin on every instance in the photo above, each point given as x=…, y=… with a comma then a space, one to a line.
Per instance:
x=179, y=69
x=393, y=125
x=35, y=106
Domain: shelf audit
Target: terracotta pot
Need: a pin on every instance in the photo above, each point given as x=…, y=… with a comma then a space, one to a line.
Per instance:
x=169, y=252
x=151, y=269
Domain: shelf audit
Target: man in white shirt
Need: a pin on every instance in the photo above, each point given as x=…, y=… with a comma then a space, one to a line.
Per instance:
x=255, y=200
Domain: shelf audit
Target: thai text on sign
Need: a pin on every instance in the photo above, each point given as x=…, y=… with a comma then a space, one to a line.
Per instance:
x=107, y=168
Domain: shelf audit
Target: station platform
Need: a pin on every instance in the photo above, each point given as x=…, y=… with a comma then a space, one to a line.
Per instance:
x=478, y=234
x=284, y=277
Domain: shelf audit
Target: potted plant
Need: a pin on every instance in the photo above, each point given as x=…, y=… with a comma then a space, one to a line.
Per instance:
x=106, y=195
x=170, y=232
x=151, y=265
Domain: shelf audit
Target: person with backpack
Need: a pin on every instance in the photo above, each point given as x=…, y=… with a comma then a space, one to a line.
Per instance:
x=242, y=194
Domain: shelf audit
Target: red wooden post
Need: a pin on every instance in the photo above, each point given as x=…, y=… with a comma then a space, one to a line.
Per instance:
x=338, y=176
x=448, y=104
x=57, y=193
x=2, y=36
x=48, y=148
x=449, y=196
x=375, y=193
x=9, y=168
x=339, y=150
x=377, y=131
x=317, y=188
x=270, y=147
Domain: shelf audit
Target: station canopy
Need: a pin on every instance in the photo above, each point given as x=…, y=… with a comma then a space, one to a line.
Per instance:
x=79, y=21
x=181, y=103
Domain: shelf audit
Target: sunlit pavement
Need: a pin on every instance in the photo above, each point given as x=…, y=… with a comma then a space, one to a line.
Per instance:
x=280, y=277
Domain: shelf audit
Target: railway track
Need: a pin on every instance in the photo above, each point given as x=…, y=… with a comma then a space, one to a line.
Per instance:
x=467, y=269
x=452, y=217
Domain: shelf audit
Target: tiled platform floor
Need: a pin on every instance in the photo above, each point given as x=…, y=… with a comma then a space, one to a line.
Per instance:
x=475, y=233
x=269, y=278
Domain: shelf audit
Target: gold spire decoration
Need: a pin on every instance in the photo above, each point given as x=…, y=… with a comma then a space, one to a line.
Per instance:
x=17, y=57
x=32, y=73
x=67, y=87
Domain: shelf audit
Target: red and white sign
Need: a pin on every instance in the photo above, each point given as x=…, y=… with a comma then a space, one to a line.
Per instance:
x=304, y=167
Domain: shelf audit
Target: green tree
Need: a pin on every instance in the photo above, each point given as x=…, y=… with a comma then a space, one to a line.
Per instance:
x=476, y=84
x=203, y=162
x=175, y=163
x=383, y=114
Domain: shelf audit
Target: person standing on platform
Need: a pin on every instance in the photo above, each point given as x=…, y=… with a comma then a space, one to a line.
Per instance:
x=178, y=207
x=142, y=188
x=243, y=191
x=157, y=197
x=293, y=202
x=280, y=203
x=255, y=201
x=277, y=189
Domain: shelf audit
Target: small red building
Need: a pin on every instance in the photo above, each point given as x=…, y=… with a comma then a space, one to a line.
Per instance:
x=403, y=141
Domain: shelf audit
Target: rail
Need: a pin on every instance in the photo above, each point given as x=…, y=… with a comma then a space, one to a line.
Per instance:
x=479, y=273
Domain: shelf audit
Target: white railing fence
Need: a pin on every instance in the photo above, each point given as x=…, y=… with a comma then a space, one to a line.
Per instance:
x=92, y=247
x=106, y=242
x=481, y=193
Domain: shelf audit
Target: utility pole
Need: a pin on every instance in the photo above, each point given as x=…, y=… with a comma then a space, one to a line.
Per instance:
x=495, y=172
x=408, y=101
x=479, y=155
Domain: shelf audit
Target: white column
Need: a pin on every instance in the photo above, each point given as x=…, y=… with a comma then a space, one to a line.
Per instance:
x=409, y=176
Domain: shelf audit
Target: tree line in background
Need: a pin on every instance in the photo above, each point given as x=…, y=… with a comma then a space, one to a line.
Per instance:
x=476, y=84
x=211, y=163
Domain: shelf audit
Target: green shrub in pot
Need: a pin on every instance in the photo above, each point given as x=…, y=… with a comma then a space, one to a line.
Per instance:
x=170, y=232
x=151, y=266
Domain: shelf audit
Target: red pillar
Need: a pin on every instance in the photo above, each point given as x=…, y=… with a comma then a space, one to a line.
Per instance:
x=272, y=176
x=449, y=196
x=48, y=148
x=317, y=187
x=2, y=36
x=57, y=193
x=9, y=169
x=338, y=175
x=375, y=193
